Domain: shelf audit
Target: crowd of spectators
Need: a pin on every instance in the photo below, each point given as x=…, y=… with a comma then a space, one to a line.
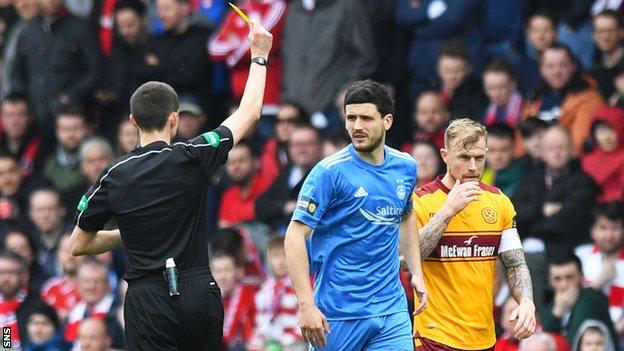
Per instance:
x=545, y=76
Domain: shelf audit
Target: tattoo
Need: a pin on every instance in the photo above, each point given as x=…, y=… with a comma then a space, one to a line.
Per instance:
x=431, y=233
x=517, y=272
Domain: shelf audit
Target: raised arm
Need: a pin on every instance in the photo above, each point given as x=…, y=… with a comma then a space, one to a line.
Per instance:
x=250, y=108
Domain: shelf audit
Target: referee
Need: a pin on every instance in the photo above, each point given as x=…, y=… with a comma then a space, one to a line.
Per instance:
x=157, y=195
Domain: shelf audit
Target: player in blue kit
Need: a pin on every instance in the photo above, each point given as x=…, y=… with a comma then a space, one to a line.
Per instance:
x=352, y=205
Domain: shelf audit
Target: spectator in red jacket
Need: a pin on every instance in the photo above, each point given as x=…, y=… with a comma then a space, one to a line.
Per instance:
x=238, y=201
x=605, y=164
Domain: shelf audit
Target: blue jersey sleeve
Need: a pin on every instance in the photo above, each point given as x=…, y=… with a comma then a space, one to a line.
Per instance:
x=315, y=196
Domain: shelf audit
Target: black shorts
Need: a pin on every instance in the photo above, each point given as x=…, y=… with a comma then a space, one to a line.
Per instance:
x=191, y=321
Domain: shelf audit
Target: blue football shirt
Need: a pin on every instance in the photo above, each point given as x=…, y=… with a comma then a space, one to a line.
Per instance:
x=354, y=209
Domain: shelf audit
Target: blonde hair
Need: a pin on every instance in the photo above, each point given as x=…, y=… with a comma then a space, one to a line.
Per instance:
x=463, y=132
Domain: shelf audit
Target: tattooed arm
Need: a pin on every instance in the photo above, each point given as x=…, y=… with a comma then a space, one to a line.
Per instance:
x=519, y=281
x=518, y=276
x=431, y=233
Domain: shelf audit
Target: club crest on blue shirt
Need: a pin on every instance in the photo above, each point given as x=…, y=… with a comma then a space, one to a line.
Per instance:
x=401, y=191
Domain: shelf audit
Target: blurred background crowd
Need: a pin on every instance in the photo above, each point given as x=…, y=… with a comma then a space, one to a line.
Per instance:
x=545, y=76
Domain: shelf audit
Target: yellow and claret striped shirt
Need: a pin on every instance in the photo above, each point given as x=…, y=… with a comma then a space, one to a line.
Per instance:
x=459, y=273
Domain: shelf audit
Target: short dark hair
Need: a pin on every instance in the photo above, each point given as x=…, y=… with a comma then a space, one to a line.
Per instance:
x=6, y=155
x=543, y=14
x=301, y=112
x=228, y=241
x=369, y=91
x=532, y=126
x=17, y=96
x=500, y=66
x=73, y=111
x=12, y=256
x=455, y=49
x=559, y=46
x=559, y=259
x=610, y=14
x=501, y=130
x=134, y=5
x=152, y=103
x=613, y=211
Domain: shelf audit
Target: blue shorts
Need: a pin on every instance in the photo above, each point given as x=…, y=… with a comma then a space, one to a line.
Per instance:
x=389, y=332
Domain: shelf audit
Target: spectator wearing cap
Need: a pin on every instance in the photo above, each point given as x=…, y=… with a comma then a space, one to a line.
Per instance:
x=605, y=163
x=566, y=97
x=44, y=328
x=65, y=43
x=230, y=45
x=191, y=120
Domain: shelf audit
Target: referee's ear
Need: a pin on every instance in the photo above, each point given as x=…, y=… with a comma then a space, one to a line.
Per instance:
x=133, y=121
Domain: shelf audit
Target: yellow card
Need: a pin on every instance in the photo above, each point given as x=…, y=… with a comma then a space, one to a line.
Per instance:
x=240, y=13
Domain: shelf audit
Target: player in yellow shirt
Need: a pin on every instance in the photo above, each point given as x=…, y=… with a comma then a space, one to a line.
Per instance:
x=465, y=226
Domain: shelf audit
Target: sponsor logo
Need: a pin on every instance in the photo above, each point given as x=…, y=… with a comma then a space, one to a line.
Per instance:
x=469, y=241
x=383, y=215
x=360, y=193
x=489, y=215
x=212, y=138
x=451, y=251
x=83, y=204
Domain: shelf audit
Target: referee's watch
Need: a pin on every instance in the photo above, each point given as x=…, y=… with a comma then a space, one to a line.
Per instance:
x=260, y=60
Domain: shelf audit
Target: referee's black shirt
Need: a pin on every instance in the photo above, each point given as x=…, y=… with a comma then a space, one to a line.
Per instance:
x=157, y=194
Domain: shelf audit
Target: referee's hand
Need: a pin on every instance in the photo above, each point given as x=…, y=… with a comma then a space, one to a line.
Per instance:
x=313, y=325
x=260, y=40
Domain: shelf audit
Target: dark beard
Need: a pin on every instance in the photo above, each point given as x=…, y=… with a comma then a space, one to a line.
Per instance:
x=370, y=148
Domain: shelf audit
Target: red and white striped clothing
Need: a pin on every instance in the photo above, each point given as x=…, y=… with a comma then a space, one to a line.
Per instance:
x=231, y=45
x=276, y=313
x=78, y=313
x=239, y=315
x=592, y=261
x=62, y=294
x=8, y=316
